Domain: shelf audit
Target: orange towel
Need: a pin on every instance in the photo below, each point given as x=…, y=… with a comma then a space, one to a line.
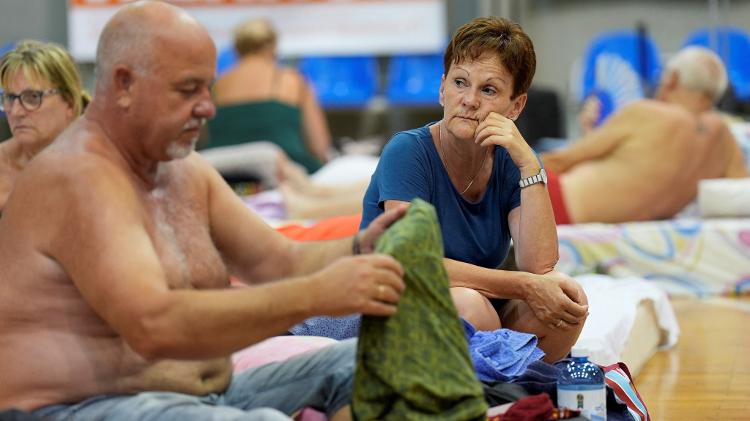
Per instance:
x=326, y=229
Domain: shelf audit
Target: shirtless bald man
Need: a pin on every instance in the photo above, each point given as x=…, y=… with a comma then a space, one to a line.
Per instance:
x=645, y=161
x=117, y=245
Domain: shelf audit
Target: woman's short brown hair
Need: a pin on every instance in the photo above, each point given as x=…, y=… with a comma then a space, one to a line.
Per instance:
x=501, y=37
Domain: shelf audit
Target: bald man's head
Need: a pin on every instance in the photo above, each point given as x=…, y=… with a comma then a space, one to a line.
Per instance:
x=137, y=33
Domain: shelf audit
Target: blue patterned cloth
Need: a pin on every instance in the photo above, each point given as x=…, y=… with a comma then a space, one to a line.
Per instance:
x=330, y=327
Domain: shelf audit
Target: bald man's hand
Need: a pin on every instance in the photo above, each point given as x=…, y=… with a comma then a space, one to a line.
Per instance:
x=378, y=226
x=369, y=284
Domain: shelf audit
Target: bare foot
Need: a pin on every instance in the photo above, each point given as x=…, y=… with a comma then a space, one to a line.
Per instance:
x=296, y=203
x=292, y=174
x=301, y=205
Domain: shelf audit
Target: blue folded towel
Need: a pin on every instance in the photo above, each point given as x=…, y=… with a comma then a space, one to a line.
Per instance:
x=501, y=355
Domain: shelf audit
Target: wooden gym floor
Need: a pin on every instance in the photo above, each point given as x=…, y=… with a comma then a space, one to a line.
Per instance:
x=707, y=375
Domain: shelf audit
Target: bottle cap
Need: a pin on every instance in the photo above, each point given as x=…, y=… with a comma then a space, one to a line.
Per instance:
x=579, y=352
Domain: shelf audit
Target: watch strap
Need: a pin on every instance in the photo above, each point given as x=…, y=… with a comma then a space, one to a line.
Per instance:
x=540, y=177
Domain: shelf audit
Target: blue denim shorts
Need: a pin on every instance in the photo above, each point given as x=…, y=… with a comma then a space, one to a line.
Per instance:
x=322, y=380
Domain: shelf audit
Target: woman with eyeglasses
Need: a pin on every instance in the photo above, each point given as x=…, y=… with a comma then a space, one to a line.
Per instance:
x=41, y=95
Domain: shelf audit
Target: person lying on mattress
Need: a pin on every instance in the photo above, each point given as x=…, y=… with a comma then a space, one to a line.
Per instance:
x=484, y=181
x=644, y=162
x=116, y=257
x=41, y=95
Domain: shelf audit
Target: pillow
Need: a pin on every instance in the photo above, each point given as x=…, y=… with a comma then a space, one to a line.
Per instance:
x=724, y=197
x=326, y=229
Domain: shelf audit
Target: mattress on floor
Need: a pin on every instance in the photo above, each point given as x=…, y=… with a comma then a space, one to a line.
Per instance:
x=685, y=257
x=644, y=340
x=629, y=320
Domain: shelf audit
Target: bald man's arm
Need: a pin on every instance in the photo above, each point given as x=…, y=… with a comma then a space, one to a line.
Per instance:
x=98, y=236
x=253, y=250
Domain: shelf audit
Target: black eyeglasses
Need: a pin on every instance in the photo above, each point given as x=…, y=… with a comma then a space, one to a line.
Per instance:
x=30, y=99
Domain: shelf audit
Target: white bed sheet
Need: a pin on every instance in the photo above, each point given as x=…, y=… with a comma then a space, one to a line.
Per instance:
x=685, y=257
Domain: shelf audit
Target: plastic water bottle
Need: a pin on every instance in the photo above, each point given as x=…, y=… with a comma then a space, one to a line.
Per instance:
x=581, y=386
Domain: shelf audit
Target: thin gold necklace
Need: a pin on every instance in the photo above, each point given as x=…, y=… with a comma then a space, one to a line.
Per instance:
x=445, y=161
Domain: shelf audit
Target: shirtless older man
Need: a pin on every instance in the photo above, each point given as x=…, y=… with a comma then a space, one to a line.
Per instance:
x=117, y=246
x=645, y=161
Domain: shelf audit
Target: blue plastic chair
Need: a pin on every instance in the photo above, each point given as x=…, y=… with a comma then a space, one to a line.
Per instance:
x=414, y=79
x=7, y=47
x=619, y=67
x=342, y=81
x=733, y=46
x=226, y=59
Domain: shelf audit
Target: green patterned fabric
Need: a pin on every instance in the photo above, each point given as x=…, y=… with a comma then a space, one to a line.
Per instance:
x=415, y=365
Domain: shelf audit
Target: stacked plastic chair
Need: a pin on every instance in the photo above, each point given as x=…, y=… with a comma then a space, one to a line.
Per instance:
x=732, y=44
x=7, y=47
x=619, y=67
x=226, y=59
x=414, y=80
x=342, y=81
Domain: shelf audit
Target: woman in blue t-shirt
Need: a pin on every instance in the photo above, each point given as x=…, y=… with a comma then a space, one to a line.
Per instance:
x=488, y=187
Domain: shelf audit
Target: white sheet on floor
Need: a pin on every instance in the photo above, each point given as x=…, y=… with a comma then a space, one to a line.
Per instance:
x=613, y=303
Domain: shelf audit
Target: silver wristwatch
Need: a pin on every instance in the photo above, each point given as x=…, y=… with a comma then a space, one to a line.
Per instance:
x=541, y=177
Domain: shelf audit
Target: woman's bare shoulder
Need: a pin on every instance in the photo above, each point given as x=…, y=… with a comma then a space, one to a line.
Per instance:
x=292, y=83
x=8, y=149
x=290, y=73
x=7, y=144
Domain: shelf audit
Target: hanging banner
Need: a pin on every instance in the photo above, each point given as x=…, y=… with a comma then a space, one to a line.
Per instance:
x=305, y=27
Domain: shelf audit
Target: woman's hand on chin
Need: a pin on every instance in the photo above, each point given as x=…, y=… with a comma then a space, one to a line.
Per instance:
x=497, y=129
